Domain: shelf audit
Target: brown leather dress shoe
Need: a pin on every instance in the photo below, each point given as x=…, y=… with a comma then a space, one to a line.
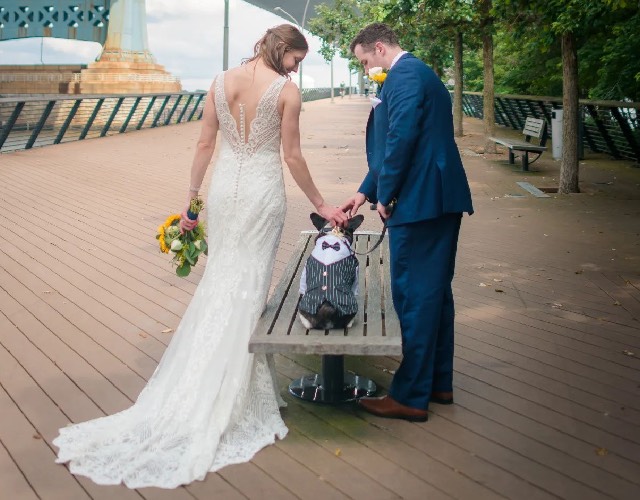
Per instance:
x=442, y=398
x=388, y=407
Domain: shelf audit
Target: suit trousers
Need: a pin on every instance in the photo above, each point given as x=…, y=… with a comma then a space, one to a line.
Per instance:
x=422, y=257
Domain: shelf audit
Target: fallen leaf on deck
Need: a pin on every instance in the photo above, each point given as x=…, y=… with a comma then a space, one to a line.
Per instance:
x=497, y=280
x=168, y=330
x=47, y=291
x=143, y=335
x=483, y=284
x=37, y=436
x=499, y=290
x=602, y=452
x=616, y=303
x=627, y=352
x=338, y=452
x=579, y=271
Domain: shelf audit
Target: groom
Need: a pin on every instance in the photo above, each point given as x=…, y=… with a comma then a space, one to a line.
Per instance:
x=414, y=166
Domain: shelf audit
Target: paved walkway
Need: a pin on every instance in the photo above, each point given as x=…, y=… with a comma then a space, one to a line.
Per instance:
x=547, y=382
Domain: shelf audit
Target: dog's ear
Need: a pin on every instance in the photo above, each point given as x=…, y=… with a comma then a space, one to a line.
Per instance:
x=318, y=221
x=354, y=222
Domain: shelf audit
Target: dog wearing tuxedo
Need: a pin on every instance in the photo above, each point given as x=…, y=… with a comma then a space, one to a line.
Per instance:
x=329, y=282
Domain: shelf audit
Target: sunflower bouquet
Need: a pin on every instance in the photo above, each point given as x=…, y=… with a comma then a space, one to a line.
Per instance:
x=187, y=246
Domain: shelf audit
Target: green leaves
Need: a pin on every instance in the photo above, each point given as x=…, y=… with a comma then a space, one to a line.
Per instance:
x=526, y=36
x=183, y=270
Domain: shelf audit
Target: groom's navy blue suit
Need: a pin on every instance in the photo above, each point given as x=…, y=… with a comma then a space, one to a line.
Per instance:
x=414, y=160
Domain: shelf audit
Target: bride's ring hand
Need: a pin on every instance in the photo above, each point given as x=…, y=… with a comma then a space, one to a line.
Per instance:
x=187, y=224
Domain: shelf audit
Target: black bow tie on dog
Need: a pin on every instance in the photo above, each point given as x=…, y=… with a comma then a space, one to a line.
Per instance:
x=335, y=246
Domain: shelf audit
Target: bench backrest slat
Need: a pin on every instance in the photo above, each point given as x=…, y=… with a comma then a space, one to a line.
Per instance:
x=534, y=127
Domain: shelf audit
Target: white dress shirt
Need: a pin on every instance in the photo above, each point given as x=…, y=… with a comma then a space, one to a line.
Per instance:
x=395, y=59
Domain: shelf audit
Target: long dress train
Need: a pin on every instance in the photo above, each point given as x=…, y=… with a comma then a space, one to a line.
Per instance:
x=209, y=403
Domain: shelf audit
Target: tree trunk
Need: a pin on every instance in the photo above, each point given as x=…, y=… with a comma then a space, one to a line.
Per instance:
x=488, y=90
x=569, y=167
x=436, y=69
x=457, y=90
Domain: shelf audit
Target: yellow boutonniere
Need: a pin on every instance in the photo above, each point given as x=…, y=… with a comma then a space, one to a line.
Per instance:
x=378, y=75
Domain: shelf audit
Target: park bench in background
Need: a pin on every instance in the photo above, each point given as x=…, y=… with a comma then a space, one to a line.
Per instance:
x=533, y=127
x=376, y=330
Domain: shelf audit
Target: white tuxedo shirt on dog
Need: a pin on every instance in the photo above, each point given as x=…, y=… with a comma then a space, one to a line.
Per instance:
x=328, y=256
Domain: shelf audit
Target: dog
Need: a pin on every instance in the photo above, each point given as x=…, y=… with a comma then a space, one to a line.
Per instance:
x=329, y=281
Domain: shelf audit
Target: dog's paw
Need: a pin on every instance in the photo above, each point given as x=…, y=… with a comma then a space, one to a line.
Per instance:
x=304, y=321
x=350, y=324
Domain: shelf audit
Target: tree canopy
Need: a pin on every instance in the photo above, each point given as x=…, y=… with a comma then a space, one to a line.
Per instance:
x=527, y=47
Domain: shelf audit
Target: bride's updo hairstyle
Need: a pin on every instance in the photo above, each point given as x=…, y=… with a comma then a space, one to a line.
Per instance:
x=275, y=42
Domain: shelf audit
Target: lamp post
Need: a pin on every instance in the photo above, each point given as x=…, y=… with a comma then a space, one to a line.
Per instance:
x=225, y=38
x=301, y=26
x=332, y=78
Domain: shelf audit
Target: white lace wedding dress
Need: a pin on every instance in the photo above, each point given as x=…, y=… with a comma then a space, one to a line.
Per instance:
x=209, y=403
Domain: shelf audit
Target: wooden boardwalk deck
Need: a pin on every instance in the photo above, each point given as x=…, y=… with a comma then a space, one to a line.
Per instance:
x=547, y=382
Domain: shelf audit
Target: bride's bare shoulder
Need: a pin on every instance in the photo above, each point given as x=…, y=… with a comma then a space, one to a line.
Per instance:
x=290, y=91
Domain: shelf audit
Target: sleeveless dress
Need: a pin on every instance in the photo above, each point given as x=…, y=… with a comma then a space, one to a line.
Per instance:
x=209, y=403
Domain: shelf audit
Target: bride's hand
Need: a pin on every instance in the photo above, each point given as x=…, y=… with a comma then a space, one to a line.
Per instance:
x=187, y=224
x=334, y=215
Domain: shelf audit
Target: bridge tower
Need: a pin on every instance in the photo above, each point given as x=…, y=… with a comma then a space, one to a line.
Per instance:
x=126, y=65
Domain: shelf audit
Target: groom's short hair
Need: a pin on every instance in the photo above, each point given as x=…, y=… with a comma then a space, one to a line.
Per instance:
x=372, y=33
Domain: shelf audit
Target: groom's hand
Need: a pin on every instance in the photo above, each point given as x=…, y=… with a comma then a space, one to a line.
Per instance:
x=384, y=211
x=352, y=205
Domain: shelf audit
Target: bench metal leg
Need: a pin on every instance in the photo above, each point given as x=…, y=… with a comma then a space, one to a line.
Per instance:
x=334, y=385
x=525, y=161
x=512, y=158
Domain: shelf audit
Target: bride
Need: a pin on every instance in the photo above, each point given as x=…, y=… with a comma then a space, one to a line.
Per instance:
x=211, y=403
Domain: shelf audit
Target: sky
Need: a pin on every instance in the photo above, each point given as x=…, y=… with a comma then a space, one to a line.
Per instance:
x=186, y=37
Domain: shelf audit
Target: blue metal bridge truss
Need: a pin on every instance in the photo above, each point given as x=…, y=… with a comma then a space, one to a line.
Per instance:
x=72, y=19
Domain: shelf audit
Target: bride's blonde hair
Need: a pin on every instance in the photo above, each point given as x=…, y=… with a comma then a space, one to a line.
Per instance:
x=275, y=43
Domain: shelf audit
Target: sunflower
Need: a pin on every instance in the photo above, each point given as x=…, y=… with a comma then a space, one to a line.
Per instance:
x=171, y=219
x=160, y=236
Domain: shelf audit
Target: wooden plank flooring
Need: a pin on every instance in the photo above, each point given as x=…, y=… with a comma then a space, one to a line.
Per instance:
x=547, y=366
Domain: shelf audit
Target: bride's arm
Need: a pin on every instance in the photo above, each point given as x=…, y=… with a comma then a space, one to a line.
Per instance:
x=294, y=159
x=204, y=151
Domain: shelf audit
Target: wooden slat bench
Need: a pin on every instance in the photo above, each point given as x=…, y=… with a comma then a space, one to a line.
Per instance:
x=533, y=127
x=376, y=330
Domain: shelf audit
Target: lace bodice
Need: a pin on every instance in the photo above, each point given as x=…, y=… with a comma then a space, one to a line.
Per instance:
x=264, y=130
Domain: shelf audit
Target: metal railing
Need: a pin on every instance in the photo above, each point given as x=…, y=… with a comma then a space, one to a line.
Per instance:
x=319, y=93
x=29, y=121
x=611, y=127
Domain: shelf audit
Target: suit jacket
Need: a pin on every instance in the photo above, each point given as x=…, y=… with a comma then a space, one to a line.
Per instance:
x=411, y=152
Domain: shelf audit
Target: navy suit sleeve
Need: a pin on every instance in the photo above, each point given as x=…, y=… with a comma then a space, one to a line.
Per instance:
x=404, y=93
x=369, y=188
